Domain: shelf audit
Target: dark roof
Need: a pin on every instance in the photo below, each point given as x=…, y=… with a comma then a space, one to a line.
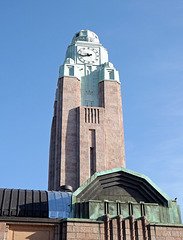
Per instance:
x=123, y=185
x=23, y=203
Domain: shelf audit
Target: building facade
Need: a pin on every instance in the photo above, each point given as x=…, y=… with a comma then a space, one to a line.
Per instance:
x=87, y=126
x=109, y=202
x=116, y=204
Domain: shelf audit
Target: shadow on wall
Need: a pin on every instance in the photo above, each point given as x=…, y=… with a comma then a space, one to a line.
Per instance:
x=37, y=235
x=33, y=210
x=71, y=149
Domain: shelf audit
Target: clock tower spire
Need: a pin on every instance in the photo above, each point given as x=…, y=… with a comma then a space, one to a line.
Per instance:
x=87, y=126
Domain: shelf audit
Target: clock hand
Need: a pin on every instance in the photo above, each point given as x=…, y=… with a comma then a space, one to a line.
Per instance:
x=85, y=54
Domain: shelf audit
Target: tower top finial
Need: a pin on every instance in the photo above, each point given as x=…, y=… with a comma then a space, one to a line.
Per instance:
x=85, y=35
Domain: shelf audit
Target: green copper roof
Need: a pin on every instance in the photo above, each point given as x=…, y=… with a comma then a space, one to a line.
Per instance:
x=87, y=60
x=143, y=177
x=85, y=35
x=123, y=191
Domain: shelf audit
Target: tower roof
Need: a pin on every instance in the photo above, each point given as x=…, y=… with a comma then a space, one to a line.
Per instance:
x=85, y=35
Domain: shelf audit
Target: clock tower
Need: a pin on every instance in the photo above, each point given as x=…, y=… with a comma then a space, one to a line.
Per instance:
x=87, y=126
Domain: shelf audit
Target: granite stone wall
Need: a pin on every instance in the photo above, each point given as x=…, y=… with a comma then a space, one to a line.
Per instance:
x=110, y=100
x=120, y=229
x=2, y=231
x=83, y=229
x=70, y=145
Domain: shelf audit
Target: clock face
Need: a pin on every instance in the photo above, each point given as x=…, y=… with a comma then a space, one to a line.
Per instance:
x=88, y=55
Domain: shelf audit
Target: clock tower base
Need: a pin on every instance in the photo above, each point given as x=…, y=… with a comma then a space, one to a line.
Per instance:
x=85, y=140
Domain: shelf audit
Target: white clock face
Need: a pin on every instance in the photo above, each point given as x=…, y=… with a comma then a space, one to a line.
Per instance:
x=88, y=55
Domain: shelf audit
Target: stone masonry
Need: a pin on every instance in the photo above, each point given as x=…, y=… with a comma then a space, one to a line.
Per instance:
x=76, y=130
x=82, y=229
x=120, y=229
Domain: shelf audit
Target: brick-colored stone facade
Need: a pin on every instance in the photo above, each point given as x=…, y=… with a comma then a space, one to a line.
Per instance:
x=80, y=133
x=3, y=234
x=81, y=229
x=165, y=232
x=110, y=100
x=120, y=229
x=64, y=135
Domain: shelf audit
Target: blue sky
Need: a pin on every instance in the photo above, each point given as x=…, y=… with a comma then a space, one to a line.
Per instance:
x=145, y=43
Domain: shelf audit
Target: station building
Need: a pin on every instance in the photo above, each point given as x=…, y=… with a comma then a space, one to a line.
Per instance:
x=91, y=195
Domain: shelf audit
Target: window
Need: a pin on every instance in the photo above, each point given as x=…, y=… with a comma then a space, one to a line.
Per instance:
x=111, y=74
x=71, y=71
x=92, y=152
x=92, y=160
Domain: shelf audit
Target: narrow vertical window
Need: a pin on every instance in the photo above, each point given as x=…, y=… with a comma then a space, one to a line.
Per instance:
x=92, y=115
x=95, y=116
x=88, y=115
x=111, y=74
x=71, y=71
x=98, y=116
x=91, y=161
x=85, y=115
x=92, y=151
